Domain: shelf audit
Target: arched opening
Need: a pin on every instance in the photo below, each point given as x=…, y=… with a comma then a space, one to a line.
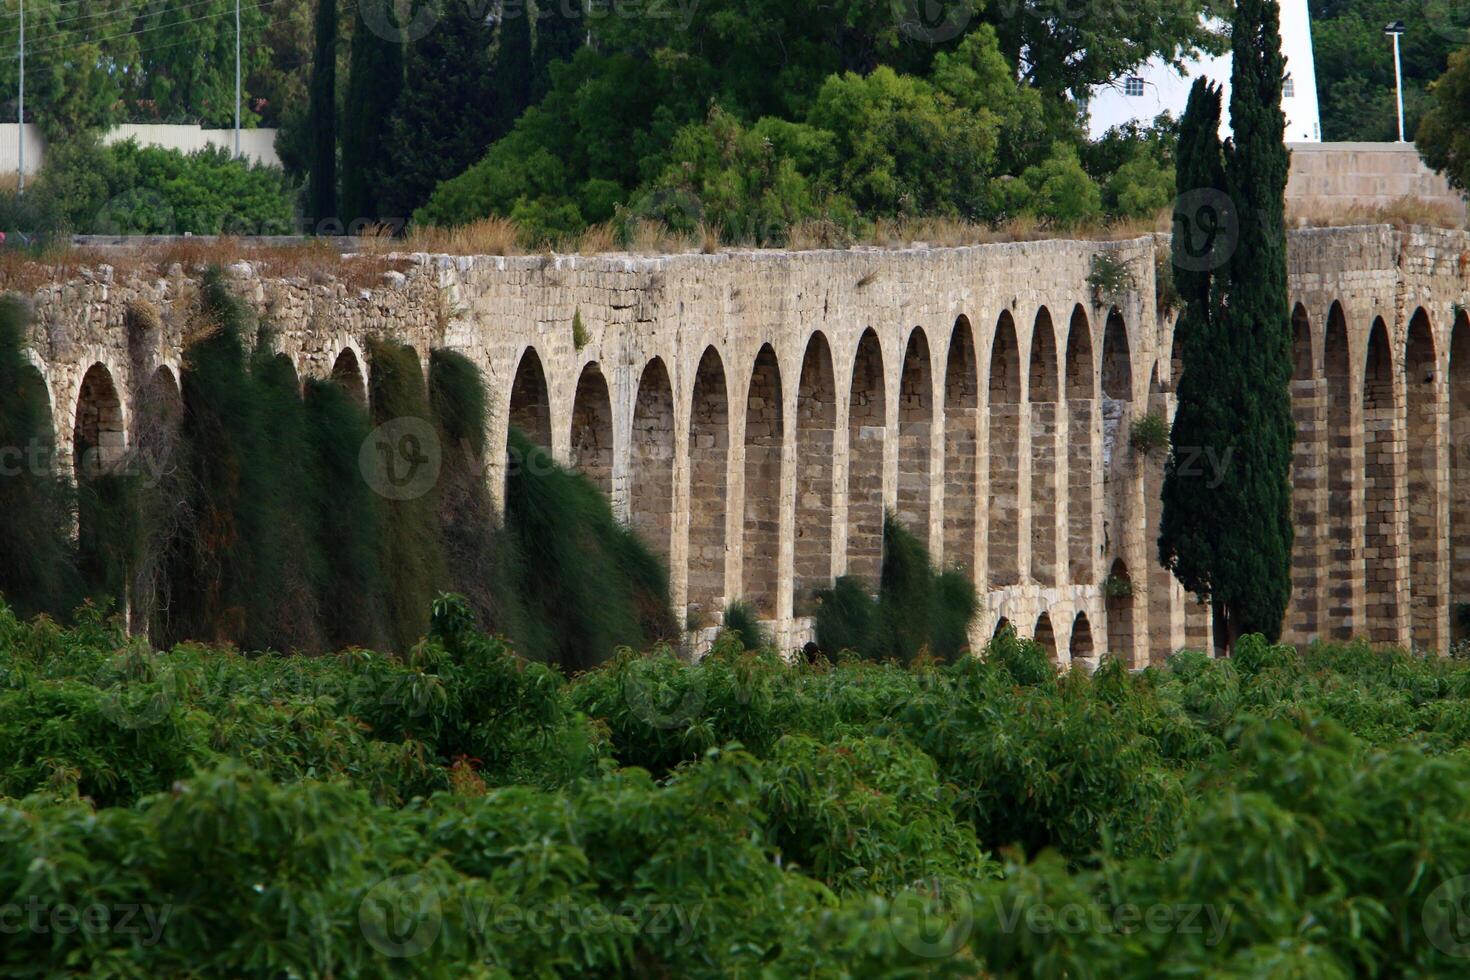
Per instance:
x=915, y=426
x=98, y=448
x=1425, y=460
x=816, y=422
x=1341, y=520
x=1381, y=500
x=1118, y=602
x=1160, y=579
x=530, y=406
x=38, y=458
x=1046, y=637
x=1117, y=389
x=961, y=408
x=1176, y=357
x=867, y=428
x=763, y=437
x=709, y=457
x=651, y=496
x=1080, y=467
x=1042, y=391
x=98, y=439
x=1080, y=646
x=162, y=503
x=1459, y=453
x=1001, y=625
x=1117, y=368
x=1303, y=617
x=1004, y=453
x=592, y=428
x=348, y=372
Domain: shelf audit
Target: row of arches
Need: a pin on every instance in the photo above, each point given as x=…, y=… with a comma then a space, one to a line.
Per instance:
x=1382, y=519
x=832, y=514
x=1079, y=644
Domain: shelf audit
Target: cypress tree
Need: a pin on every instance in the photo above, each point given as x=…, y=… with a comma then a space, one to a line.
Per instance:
x=374, y=80
x=450, y=66
x=560, y=28
x=1226, y=531
x=322, y=182
x=38, y=572
x=515, y=67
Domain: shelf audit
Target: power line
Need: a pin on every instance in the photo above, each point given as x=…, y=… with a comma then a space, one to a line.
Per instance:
x=113, y=37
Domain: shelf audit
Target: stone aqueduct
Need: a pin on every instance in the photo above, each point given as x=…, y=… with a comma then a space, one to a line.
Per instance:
x=753, y=413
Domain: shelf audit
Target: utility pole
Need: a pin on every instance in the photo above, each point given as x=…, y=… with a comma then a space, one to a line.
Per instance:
x=237, y=78
x=21, y=112
x=1394, y=30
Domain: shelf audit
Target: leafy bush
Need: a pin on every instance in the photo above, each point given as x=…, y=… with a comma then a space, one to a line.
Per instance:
x=917, y=611
x=310, y=816
x=125, y=188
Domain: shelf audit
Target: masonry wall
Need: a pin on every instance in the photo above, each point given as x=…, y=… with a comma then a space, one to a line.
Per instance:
x=753, y=413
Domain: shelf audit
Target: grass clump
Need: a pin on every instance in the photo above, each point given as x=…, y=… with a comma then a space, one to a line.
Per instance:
x=918, y=611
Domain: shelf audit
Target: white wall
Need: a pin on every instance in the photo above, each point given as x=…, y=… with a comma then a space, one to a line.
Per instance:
x=1165, y=89
x=257, y=145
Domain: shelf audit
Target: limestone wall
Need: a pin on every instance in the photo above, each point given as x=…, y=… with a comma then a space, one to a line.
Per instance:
x=752, y=413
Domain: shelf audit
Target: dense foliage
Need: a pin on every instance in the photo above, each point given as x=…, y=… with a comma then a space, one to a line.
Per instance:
x=127, y=189
x=460, y=811
x=1444, y=135
x=1354, y=60
x=748, y=120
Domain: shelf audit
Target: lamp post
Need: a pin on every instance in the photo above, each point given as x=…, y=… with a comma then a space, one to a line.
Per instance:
x=1394, y=30
x=20, y=113
x=237, y=80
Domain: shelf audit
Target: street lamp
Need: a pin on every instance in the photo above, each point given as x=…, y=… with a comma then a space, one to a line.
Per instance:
x=1394, y=30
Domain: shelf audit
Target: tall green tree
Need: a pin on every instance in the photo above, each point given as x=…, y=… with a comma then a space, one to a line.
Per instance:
x=374, y=80
x=453, y=65
x=322, y=181
x=1444, y=135
x=1226, y=531
x=561, y=27
x=515, y=66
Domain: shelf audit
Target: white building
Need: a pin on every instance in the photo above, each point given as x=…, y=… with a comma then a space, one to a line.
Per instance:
x=1157, y=87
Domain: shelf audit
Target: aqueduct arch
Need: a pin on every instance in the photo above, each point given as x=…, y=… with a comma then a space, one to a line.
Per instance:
x=1005, y=446
x=866, y=439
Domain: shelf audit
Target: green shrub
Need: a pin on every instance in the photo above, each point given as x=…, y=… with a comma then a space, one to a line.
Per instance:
x=917, y=611
x=740, y=618
x=1148, y=434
